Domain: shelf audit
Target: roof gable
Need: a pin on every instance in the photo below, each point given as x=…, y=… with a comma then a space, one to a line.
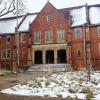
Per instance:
x=48, y=9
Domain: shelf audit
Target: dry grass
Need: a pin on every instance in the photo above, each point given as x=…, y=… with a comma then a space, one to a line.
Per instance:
x=7, y=81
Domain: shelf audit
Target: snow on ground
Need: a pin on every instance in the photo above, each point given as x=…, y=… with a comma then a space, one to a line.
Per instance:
x=65, y=84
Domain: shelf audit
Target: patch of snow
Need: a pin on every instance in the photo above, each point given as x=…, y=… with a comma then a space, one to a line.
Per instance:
x=25, y=25
x=94, y=13
x=78, y=16
x=69, y=84
x=8, y=26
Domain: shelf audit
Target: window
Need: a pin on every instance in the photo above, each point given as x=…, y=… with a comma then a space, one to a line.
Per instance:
x=48, y=36
x=78, y=32
x=37, y=36
x=8, y=39
x=60, y=35
x=48, y=18
x=78, y=52
x=99, y=31
x=6, y=53
x=23, y=37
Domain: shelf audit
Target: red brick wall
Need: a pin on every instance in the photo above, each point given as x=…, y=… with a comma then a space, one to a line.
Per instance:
x=23, y=48
x=57, y=22
x=77, y=61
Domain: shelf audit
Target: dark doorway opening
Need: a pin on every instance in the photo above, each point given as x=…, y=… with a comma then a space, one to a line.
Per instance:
x=50, y=56
x=38, y=57
x=61, y=56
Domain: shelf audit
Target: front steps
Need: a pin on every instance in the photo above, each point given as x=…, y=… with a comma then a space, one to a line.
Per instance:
x=50, y=67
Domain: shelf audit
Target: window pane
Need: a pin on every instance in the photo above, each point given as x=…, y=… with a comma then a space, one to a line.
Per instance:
x=78, y=33
x=37, y=36
x=48, y=36
x=3, y=54
x=23, y=37
x=48, y=18
x=60, y=35
x=8, y=53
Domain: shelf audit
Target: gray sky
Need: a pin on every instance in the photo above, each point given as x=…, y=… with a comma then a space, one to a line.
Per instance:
x=37, y=5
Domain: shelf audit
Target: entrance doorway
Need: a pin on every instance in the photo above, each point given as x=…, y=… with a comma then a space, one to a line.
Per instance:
x=38, y=57
x=50, y=56
x=61, y=55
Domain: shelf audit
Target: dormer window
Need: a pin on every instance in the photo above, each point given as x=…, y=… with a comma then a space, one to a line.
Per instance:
x=48, y=19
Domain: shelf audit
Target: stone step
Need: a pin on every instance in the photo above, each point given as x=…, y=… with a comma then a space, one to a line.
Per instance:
x=50, y=67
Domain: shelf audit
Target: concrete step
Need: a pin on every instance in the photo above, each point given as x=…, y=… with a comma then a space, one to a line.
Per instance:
x=50, y=67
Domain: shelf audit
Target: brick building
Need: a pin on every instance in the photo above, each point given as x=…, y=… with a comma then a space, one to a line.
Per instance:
x=69, y=35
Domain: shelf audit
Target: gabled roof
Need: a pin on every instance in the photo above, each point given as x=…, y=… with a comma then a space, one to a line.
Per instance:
x=77, y=15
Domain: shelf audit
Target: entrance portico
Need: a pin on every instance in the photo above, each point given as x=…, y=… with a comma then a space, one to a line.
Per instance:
x=49, y=54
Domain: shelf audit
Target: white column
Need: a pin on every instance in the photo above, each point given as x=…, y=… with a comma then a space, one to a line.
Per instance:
x=43, y=56
x=33, y=56
x=55, y=56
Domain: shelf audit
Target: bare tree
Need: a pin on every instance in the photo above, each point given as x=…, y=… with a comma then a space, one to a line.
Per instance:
x=9, y=6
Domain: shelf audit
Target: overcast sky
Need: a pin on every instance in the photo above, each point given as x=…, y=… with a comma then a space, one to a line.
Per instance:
x=37, y=5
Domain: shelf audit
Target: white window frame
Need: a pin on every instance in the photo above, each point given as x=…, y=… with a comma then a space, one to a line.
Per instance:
x=23, y=34
x=48, y=17
x=6, y=54
x=35, y=34
x=78, y=37
x=59, y=37
x=8, y=36
x=50, y=37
